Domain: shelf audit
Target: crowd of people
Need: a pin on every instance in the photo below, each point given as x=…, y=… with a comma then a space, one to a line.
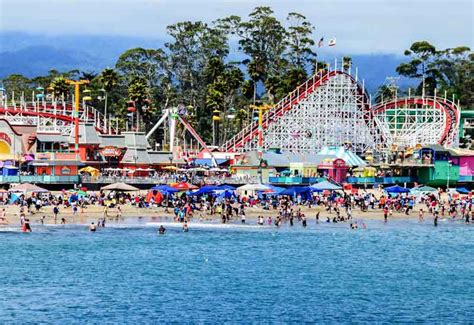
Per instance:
x=336, y=206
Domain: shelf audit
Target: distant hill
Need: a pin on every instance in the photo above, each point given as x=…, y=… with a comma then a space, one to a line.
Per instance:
x=33, y=55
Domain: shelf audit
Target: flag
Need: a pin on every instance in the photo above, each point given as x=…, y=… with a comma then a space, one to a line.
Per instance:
x=321, y=42
x=332, y=42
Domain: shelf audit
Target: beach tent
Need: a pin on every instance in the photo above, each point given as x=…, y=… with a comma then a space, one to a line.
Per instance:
x=156, y=195
x=206, y=190
x=462, y=190
x=164, y=189
x=226, y=187
x=120, y=187
x=273, y=190
x=254, y=187
x=28, y=188
x=397, y=189
x=183, y=186
x=423, y=189
x=295, y=190
x=325, y=185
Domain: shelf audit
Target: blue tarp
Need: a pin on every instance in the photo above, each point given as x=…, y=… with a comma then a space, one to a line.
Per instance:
x=397, y=189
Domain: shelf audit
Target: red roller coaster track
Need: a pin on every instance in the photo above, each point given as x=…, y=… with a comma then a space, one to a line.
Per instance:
x=450, y=110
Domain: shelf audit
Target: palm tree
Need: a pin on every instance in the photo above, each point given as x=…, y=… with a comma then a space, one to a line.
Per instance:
x=59, y=87
x=109, y=78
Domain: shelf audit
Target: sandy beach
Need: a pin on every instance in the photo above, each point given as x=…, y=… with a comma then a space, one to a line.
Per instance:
x=95, y=212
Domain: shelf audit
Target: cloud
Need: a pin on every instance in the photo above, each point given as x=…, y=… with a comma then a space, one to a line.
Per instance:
x=365, y=26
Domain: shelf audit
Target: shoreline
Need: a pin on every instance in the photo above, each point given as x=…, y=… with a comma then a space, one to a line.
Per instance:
x=95, y=213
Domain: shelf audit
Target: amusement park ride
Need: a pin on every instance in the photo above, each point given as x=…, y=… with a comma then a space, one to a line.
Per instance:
x=332, y=108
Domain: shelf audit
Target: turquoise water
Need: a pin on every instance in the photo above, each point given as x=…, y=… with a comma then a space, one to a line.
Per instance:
x=399, y=272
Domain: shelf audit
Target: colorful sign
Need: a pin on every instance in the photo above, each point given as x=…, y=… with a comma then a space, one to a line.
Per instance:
x=65, y=170
x=6, y=138
x=110, y=152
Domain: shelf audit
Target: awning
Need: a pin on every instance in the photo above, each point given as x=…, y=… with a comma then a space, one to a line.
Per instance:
x=52, y=138
x=208, y=161
x=56, y=163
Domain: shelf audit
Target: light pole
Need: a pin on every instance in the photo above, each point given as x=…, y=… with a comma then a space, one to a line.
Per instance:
x=103, y=91
x=77, y=85
x=449, y=174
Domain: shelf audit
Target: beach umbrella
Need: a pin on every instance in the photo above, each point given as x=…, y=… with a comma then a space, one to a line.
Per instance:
x=397, y=189
x=423, y=189
x=164, y=188
x=273, y=189
x=28, y=188
x=183, y=186
x=325, y=185
x=90, y=170
x=120, y=187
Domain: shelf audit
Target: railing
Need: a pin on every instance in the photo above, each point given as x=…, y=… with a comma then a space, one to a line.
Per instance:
x=381, y=180
x=42, y=179
x=300, y=91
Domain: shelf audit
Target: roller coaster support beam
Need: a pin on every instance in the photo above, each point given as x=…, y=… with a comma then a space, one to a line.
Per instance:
x=157, y=125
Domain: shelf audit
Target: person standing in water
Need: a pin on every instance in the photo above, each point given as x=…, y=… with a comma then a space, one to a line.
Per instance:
x=161, y=230
x=436, y=220
x=92, y=227
x=185, y=227
x=303, y=219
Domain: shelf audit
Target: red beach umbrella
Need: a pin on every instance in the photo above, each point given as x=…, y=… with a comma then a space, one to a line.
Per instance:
x=183, y=186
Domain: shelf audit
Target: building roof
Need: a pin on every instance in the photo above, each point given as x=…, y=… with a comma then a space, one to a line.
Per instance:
x=56, y=163
x=158, y=158
x=112, y=140
x=284, y=159
x=136, y=156
x=135, y=140
x=87, y=134
x=51, y=137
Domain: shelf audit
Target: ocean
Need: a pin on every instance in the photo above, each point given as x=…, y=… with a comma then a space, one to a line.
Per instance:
x=126, y=273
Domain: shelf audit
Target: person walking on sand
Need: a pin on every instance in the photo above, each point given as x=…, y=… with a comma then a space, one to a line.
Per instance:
x=3, y=217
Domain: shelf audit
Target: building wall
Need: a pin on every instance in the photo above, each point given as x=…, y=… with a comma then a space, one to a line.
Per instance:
x=466, y=166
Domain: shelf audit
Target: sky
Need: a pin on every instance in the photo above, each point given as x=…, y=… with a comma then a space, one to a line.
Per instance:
x=360, y=26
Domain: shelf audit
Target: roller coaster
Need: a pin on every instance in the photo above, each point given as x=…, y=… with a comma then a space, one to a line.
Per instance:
x=332, y=108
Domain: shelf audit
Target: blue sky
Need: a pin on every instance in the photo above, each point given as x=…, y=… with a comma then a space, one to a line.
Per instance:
x=366, y=26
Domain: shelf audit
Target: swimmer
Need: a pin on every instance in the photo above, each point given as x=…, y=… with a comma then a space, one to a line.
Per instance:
x=161, y=230
x=92, y=227
x=185, y=227
x=26, y=226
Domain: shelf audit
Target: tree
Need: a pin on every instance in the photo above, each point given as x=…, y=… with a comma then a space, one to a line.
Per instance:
x=384, y=93
x=16, y=85
x=59, y=87
x=422, y=65
x=300, y=42
x=149, y=64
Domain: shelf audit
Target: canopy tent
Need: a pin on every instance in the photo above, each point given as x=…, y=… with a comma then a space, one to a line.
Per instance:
x=254, y=187
x=120, y=187
x=273, y=189
x=183, y=186
x=325, y=185
x=226, y=187
x=165, y=189
x=423, y=189
x=206, y=190
x=397, y=189
x=462, y=190
x=28, y=188
x=295, y=190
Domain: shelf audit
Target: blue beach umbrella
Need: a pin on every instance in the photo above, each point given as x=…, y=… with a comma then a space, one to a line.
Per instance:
x=164, y=188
